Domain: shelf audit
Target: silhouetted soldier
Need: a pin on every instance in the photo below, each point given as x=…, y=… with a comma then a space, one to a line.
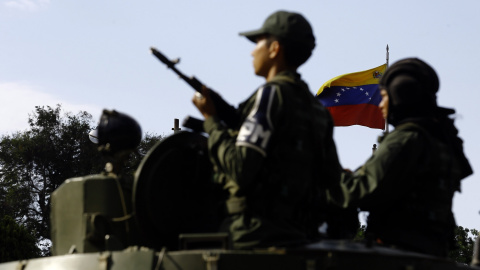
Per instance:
x=277, y=161
x=409, y=182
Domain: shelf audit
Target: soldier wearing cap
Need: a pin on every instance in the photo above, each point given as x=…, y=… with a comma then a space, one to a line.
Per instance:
x=275, y=164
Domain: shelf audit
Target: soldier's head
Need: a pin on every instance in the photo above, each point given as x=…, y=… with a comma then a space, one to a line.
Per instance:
x=410, y=87
x=118, y=132
x=291, y=31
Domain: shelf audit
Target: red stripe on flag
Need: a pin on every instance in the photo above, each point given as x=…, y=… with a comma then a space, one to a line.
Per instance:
x=361, y=114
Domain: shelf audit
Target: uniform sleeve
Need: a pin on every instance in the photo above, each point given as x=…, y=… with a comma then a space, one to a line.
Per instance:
x=385, y=176
x=240, y=154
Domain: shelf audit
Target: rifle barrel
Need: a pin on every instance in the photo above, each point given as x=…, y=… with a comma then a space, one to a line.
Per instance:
x=193, y=82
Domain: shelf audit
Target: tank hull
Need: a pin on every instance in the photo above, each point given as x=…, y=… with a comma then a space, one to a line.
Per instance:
x=322, y=255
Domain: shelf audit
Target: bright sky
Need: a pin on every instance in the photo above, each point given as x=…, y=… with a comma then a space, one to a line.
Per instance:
x=91, y=55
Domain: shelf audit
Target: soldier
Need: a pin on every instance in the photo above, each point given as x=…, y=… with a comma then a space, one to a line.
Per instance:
x=274, y=164
x=409, y=182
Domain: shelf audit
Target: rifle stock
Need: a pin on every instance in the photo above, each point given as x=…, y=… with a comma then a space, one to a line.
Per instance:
x=226, y=112
x=193, y=123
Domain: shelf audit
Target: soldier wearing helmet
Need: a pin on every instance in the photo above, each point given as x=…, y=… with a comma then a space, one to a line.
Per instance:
x=276, y=162
x=408, y=184
x=93, y=213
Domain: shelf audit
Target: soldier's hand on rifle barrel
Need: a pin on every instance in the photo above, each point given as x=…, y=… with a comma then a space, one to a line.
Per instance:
x=204, y=103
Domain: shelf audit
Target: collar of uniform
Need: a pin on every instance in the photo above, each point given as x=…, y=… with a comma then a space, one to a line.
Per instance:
x=286, y=75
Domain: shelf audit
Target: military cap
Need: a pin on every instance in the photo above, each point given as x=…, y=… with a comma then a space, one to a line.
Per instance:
x=288, y=27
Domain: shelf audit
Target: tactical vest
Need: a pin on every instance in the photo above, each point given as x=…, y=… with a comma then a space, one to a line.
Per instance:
x=423, y=219
x=290, y=182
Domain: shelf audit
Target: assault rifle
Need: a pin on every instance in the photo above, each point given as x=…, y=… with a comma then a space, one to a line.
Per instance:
x=226, y=112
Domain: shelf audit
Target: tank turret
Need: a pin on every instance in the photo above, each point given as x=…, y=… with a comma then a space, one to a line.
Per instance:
x=168, y=217
x=94, y=213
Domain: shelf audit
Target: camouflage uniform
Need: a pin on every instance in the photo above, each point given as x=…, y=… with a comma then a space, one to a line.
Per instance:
x=273, y=165
x=408, y=184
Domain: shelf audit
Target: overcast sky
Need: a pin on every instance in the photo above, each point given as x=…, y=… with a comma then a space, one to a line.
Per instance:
x=91, y=55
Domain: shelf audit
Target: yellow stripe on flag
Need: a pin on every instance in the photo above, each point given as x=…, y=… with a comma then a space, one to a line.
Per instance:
x=355, y=79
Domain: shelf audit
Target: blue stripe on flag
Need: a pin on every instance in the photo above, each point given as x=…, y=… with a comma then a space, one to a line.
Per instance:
x=352, y=95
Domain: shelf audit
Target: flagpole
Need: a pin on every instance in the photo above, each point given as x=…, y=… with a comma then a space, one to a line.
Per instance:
x=387, y=56
x=386, y=121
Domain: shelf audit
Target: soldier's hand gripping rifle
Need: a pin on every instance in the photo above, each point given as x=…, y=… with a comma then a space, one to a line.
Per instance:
x=226, y=112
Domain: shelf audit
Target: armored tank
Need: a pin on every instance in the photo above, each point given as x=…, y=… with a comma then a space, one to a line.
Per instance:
x=167, y=218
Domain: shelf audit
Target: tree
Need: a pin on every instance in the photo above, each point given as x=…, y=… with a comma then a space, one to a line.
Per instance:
x=464, y=245
x=17, y=242
x=35, y=162
x=149, y=141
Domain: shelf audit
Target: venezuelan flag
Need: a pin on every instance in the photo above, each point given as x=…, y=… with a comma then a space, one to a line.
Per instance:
x=353, y=98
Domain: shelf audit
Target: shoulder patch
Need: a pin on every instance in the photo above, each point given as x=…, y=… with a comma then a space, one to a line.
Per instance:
x=257, y=128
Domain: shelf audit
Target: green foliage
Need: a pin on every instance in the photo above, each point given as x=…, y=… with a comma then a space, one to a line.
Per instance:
x=17, y=242
x=35, y=162
x=464, y=245
x=136, y=157
x=360, y=233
